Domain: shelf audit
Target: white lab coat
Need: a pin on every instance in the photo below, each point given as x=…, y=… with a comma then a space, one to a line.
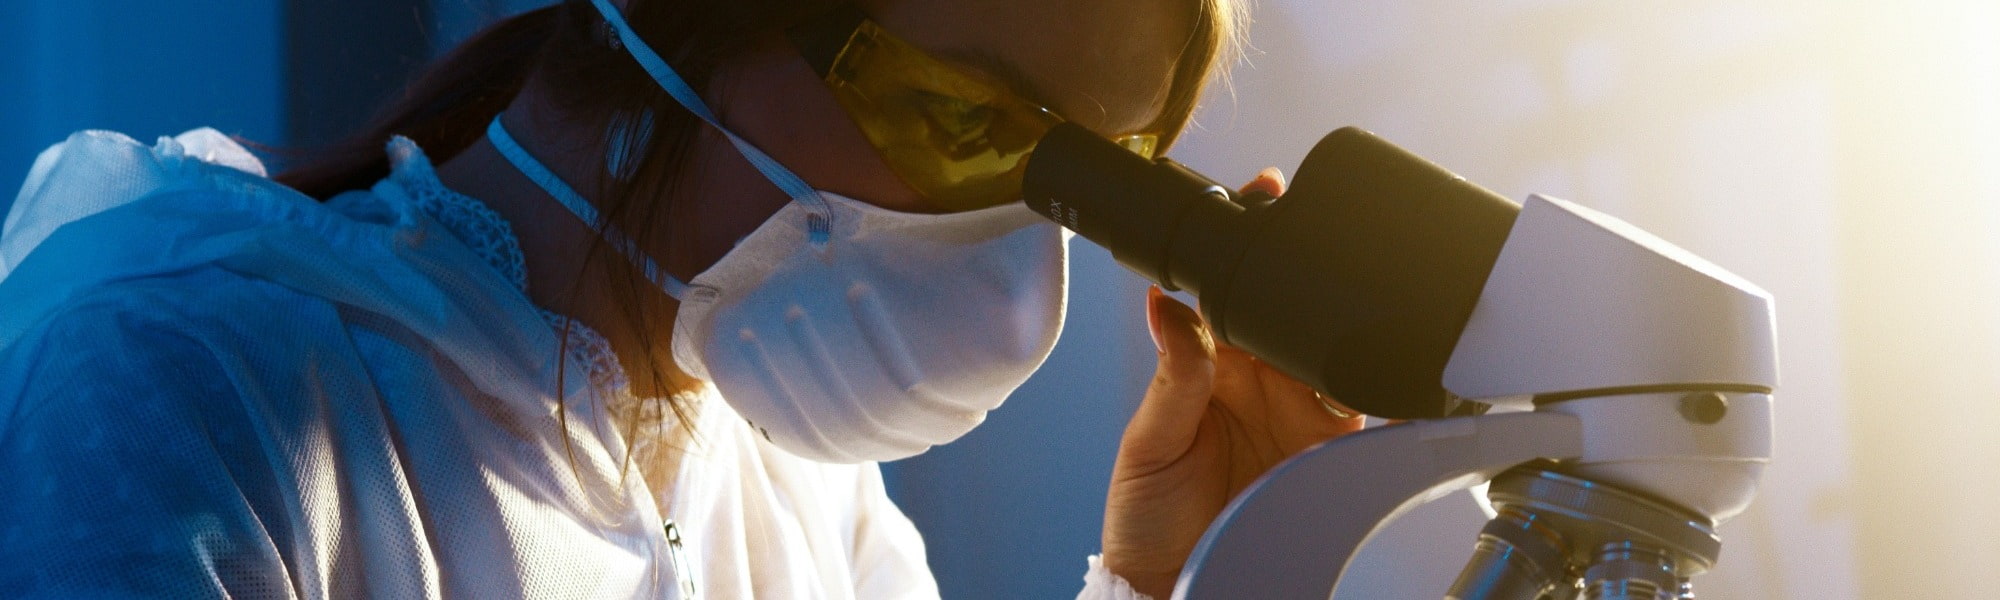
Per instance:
x=212, y=386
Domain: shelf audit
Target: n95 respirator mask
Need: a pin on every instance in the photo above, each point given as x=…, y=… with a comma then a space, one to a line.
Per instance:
x=842, y=331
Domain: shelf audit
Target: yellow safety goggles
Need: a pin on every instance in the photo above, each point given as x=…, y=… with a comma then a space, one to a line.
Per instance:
x=960, y=140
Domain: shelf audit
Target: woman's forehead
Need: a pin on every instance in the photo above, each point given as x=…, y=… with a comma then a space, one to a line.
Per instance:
x=1104, y=64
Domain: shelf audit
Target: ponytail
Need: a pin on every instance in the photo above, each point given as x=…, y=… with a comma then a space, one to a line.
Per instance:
x=445, y=110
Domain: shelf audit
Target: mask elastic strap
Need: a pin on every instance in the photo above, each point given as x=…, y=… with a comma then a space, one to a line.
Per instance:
x=820, y=220
x=563, y=193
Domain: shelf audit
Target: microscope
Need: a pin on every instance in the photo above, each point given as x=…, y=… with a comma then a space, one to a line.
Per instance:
x=1613, y=390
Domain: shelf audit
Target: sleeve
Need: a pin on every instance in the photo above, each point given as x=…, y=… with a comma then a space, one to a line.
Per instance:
x=1100, y=583
x=131, y=469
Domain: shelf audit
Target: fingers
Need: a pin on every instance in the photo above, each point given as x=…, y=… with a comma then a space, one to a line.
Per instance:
x=1185, y=378
x=1289, y=411
x=1270, y=181
x=1239, y=375
x=1333, y=406
x=1256, y=390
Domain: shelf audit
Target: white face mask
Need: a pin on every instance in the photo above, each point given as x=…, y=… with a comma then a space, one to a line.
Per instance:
x=845, y=332
x=896, y=335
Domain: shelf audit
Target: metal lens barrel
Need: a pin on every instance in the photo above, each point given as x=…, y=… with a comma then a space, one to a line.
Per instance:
x=1516, y=558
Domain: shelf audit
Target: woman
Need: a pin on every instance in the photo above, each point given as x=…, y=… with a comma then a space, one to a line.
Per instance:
x=684, y=272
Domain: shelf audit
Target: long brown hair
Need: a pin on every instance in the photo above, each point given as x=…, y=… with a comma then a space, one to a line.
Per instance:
x=595, y=84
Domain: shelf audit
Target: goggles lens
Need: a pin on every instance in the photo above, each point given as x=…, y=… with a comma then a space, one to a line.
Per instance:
x=960, y=141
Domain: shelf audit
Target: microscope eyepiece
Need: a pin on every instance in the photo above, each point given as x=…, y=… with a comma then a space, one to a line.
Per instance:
x=1132, y=206
x=1357, y=281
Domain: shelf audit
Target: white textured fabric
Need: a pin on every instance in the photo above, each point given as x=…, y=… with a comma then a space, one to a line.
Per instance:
x=1100, y=583
x=211, y=386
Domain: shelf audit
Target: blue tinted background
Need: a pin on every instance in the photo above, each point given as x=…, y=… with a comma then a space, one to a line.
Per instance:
x=1840, y=154
x=144, y=68
x=1010, y=511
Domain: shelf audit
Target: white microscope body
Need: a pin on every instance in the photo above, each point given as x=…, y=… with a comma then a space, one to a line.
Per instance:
x=1646, y=375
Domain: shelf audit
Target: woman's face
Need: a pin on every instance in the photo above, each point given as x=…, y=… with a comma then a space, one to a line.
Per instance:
x=1103, y=64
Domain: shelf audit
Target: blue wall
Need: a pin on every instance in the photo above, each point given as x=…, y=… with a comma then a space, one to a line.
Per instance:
x=143, y=67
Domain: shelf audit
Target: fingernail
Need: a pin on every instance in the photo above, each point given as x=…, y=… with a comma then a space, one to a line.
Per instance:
x=1276, y=175
x=1153, y=296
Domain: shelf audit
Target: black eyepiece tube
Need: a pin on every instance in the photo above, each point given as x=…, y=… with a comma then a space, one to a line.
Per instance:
x=1358, y=281
x=1131, y=206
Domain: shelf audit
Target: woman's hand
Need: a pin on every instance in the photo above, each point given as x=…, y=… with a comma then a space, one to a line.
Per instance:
x=1213, y=420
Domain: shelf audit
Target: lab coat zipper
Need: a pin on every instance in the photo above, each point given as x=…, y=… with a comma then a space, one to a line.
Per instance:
x=682, y=576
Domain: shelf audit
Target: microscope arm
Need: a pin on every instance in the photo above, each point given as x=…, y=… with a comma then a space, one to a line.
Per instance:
x=1293, y=533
